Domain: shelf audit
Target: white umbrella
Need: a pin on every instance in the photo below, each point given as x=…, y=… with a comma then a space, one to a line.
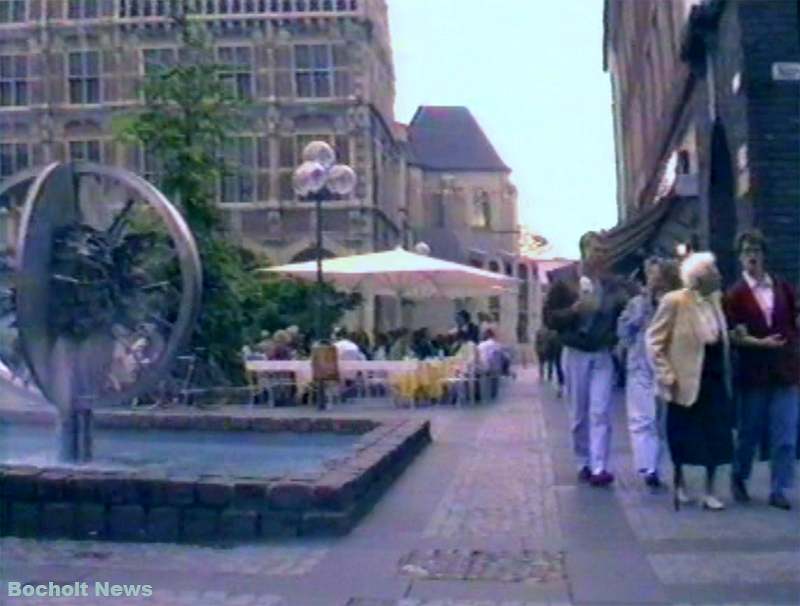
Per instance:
x=401, y=273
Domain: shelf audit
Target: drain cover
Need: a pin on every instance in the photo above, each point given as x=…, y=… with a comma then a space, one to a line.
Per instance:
x=476, y=565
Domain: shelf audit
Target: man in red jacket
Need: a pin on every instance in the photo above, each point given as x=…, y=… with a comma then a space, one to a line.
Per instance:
x=762, y=311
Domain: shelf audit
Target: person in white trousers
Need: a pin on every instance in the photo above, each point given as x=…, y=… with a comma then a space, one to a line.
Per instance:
x=584, y=311
x=645, y=411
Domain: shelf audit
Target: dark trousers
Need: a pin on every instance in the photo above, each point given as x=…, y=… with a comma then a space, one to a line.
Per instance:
x=775, y=409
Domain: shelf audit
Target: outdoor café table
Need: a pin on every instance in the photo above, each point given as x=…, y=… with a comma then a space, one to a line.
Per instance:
x=348, y=369
x=300, y=369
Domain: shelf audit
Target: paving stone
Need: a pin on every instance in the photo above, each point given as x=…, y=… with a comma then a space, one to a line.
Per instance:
x=239, y=524
x=126, y=522
x=199, y=524
x=501, y=490
x=162, y=597
x=90, y=521
x=214, y=494
x=118, y=491
x=58, y=520
x=19, y=484
x=163, y=524
x=178, y=491
x=50, y=485
x=290, y=495
x=24, y=519
x=728, y=568
x=478, y=565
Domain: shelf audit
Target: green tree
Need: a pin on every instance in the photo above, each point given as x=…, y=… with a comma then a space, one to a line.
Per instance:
x=187, y=117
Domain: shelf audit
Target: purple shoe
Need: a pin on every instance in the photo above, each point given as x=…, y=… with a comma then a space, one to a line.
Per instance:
x=603, y=478
x=584, y=475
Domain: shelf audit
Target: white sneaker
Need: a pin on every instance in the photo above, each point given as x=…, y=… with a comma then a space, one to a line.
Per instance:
x=683, y=498
x=712, y=503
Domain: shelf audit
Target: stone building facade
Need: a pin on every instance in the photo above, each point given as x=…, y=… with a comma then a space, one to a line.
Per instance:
x=309, y=69
x=707, y=124
x=462, y=203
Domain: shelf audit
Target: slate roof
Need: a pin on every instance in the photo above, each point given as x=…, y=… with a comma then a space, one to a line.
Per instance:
x=450, y=139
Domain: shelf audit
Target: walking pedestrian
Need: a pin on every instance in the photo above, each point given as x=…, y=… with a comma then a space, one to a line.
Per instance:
x=543, y=353
x=554, y=361
x=762, y=309
x=645, y=410
x=585, y=312
x=687, y=342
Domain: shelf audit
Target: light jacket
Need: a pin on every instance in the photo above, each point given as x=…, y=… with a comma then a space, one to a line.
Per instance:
x=631, y=328
x=677, y=350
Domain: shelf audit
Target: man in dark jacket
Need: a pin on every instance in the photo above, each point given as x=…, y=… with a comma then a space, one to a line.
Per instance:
x=584, y=313
x=762, y=311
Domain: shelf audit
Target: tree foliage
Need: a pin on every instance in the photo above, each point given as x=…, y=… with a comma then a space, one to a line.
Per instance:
x=188, y=116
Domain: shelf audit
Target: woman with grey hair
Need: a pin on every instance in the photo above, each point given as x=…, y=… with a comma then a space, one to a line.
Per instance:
x=645, y=410
x=687, y=342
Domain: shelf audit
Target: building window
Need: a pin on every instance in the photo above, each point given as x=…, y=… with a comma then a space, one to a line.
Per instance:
x=313, y=70
x=87, y=150
x=13, y=80
x=12, y=11
x=494, y=309
x=82, y=9
x=238, y=184
x=14, y=157
x=155, y=60
x=84, y=77
x=151, y=167
x=481, y=211
x=319, y=71
x=236, y=70
x=439, y=215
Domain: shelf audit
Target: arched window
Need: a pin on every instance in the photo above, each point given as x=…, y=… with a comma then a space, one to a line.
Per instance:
x=481, y=210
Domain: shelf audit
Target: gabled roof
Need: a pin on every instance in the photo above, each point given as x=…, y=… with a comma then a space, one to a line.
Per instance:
x=450, y=139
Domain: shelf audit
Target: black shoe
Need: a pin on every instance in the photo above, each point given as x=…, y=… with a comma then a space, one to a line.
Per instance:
x=779, y=501
x=652, y=480
x=585, y=474
x=739, y=490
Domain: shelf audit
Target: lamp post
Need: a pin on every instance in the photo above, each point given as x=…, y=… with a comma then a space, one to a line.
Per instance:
x=316, y=178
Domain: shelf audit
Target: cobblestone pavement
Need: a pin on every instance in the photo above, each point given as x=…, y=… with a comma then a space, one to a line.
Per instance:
x=505, y=484
x=447, y=602
x=477, y=565
x=160, y=597
x=464, y=526
x=289, y=561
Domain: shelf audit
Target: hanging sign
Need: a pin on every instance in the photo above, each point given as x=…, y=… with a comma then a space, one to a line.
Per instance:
x=788, y=70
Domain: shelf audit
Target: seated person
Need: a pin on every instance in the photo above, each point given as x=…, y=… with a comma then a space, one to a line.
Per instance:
x=345, y=348
x=489, y=353
x=421, y=345
x=381, y=350
x=401, y=348
x=280, y=348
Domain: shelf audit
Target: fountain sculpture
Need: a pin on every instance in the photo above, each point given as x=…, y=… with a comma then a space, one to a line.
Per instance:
x=105, y=284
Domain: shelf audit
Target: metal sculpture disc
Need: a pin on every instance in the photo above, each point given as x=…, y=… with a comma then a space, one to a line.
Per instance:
x=105, y=292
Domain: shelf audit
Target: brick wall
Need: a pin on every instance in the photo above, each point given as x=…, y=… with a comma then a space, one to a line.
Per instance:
x=771, y=33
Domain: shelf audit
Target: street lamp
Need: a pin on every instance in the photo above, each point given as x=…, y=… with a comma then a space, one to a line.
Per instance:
x=316, y=178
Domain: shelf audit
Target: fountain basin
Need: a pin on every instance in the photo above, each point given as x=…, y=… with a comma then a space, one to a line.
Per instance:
x=195, y=503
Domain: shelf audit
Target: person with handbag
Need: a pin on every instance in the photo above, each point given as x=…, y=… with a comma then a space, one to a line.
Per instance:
x=688, y=345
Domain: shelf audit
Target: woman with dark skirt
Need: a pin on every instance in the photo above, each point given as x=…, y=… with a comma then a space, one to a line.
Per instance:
x=687, y=342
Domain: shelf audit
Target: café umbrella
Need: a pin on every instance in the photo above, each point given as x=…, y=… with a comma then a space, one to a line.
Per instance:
x=402, y=274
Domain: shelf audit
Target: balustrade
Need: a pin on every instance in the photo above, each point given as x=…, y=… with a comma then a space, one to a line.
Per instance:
x=138, y=9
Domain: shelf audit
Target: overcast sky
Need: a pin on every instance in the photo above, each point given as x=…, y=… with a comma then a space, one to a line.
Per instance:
x=531, y=73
